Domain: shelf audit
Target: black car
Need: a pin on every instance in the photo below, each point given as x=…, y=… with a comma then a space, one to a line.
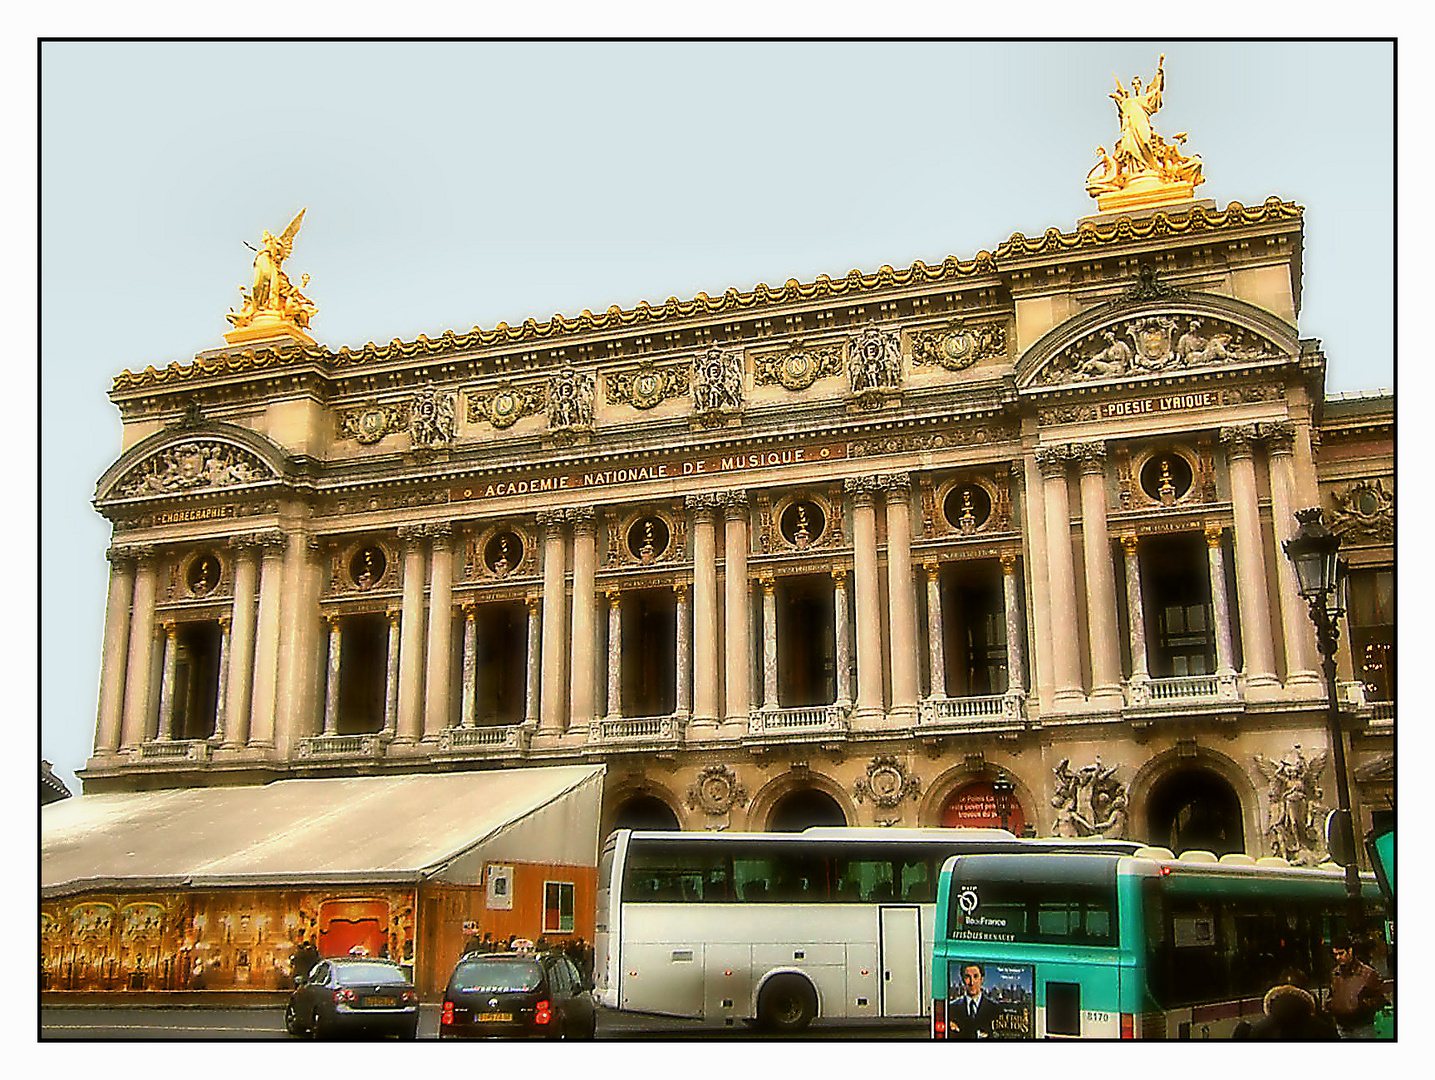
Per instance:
x=517, y=996
x=353, y=996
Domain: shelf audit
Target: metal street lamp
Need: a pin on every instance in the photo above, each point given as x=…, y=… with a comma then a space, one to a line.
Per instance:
x=1322, y=577
x=1002, y=791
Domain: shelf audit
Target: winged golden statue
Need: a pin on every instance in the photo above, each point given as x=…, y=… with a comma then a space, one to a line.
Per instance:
x=1142, y=166
x=273, y=299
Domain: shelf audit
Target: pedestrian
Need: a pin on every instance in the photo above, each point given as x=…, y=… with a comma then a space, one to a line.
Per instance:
x=487, y=945
x=1356, y=992
x=1290, y=1014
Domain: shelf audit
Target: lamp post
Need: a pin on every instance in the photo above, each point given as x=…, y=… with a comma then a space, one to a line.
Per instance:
x=1321, y=577
x=1001, y=791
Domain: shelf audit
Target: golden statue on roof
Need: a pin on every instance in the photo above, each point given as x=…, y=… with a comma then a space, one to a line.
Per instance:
x=273, y=307
x=1143, y=169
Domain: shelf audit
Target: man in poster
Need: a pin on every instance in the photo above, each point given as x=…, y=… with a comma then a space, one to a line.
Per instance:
x=973, y=1012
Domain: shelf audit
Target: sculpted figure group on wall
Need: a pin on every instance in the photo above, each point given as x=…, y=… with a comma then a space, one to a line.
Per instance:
x=1151, y=344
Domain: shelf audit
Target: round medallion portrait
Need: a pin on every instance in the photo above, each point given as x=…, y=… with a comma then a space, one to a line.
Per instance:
x=648, y=539
x=802, y=523
x=967, y=507
x=503, y=553
x=367, y=566
x=1166, y=478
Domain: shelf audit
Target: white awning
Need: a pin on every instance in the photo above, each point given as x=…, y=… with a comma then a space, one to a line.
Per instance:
x=377, y=829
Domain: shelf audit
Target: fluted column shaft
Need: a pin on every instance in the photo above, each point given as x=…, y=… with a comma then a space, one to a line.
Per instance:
x=166, y=685
x=1250, y=561
x=331, y=682
x=140, y=661
x=865, y=585
x=1136, y=609
x=110, y=717
x=842, y=639
x=769, y=643
x=438, y=673
x=705, y=652
x=683, y=652
x=584, y=646
x=266, y=646
x=411, y=639
x=1299, y=631
x=1015, y=654
x=470, y=666
x=1061, y=576
x=615, y=653
x=1100, y=576
x=552, y=697
x=241, y=663
x=936, y=637
x=738, y=693
x=901, y=596
x=1220, y=604
x=391, y=675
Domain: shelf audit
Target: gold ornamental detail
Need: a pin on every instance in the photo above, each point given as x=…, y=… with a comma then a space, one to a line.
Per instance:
x=1142, y=169
x=799, y=367
x=506, y=404
x=649, y=385
x=957, y=346
x=273, y=307
x=370, y=423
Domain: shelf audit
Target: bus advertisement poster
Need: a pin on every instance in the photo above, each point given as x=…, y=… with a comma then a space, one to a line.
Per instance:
x=988, y=1000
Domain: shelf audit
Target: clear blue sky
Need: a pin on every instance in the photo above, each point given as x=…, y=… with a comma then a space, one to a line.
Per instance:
x=451, y=185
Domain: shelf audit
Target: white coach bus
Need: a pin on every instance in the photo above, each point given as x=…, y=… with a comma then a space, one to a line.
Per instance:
x=780, y=928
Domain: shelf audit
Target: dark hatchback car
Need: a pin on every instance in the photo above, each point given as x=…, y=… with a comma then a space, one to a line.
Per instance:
x=517, y=996
x=354, y=996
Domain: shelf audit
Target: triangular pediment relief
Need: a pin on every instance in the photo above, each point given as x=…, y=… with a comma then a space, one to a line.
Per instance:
x=192, y=461
x=1124, y=342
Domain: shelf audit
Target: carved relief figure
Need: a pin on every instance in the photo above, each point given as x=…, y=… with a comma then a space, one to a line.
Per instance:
x=717, y=380
x=875, y=362
x=570, y=399
x=431, y=417
x=1090, y=801
x=191, y=465
x=1111, y=360
x=272, y=294
x=1106, y=354
x=1293, y=829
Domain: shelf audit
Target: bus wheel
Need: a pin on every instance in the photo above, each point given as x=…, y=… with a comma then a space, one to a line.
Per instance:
x=787, y=1003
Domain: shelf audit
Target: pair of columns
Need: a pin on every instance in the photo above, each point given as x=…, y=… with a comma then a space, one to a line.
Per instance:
x=936, y=636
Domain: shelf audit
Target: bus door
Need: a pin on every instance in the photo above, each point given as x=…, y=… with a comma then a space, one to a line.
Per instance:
x=901, y=960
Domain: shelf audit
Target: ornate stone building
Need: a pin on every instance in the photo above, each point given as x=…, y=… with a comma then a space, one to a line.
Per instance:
x=993, y=540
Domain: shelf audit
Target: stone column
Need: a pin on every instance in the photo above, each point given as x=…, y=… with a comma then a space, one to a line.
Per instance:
x=296, y=710
x=331, y=682
x=1136, y=612
x=552, y=697
x=737, y=700
x=705, y=653
x=936, y=638
x=864, y=576
x=221, y=698
x=1061, y=577
x=438, y=675
x=1250, y=561
x=391, y=675
x=615, y=653
x=1299, y=630
x=1026, y=479
x=111, y=713
x=901, y=597
x=264, y=707
x=241, y=664
x=683, y=652
x=843, y=641
x=532, y=672
x=470, y=666
x=1100, y=577
x=1220, y=608
x=769, y=642
x=166, y=683
x=411, y=640
x=583, y=706
x=1011, y=597
x=135, y=729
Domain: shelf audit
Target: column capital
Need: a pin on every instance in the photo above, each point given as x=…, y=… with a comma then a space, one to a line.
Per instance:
x=1239, y=440
x=1128, y=543
x=1008, y=561
x=863, y=489
x=170, y=628
x=440, y=532
x=1017, y=471
x=932, y=567
x=614, y=595
x=470, y=610
x=768, y=583
x=584, y=520
x=839, y=576
x=1214, y=534
x=412, y=535
x=1279, y=436
x=532, y=602
x=393, y=615
x=332, y=618
x=551, y=519
x=703, y=503
x=681, y=589
x=898, y=484
x=224, y=623
x=1051, y=460
x=1091, y=456
x=271, y=542
x=734, y=504
x=124, y=556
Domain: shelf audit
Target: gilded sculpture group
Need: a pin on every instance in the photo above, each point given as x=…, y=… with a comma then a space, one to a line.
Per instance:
x=1139, y=150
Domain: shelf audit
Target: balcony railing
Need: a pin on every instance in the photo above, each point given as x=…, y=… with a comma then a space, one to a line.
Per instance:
x=341, y=746
x=814, y=719
x=978, y=709
x=499, y=737
x=175, y=750
x=639, y=730
x=1382, y=710
x=1158, y=692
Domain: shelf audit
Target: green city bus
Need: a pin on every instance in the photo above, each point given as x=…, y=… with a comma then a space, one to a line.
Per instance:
x=1145, y=946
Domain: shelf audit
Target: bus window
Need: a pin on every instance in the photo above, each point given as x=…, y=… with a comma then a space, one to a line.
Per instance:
x=676, y=873
x=780, y=875
x=1058, y=912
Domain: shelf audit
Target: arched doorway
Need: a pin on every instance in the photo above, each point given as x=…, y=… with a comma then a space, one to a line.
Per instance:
x=979, y=805
x=645, y=812
x=801, y=809
x=1194, y=809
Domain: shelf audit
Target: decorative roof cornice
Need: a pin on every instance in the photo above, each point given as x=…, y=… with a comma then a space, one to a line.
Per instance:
x=732, y=302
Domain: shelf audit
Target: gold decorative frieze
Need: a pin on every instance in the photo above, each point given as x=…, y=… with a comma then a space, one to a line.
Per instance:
x=957, y=345
x=506, y=404
x=370, y=423
x=648, y=385
x=798, y=367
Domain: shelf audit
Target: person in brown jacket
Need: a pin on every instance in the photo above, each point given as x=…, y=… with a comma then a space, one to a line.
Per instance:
x=1356, y=992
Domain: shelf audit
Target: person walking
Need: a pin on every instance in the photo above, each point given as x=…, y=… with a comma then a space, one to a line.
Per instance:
x=1356, y=992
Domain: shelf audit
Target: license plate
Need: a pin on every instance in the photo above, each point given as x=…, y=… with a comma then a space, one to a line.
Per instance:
x=381, y=1002
x=498, y=1018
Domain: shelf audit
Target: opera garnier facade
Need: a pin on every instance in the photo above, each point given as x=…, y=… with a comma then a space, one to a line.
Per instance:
x=995, y=541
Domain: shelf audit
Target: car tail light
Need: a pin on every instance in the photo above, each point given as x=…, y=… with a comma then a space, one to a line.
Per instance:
x=447, y=1017
x=410, y=995
x=542, y=1013
x=1128, y=1025
x=344, y=994
x=939, y=1019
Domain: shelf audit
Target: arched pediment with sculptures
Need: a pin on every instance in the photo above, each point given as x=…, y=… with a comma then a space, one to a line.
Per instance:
x=192, y=459
x=1123, y=340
